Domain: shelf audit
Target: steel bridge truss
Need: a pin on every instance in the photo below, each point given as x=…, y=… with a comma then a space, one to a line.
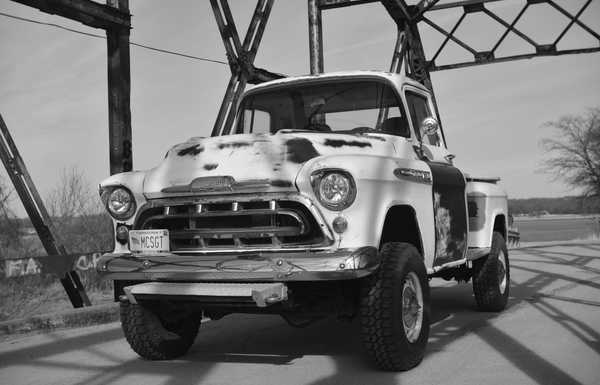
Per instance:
x=408, y=55
x=490, y=55
x=240, y=57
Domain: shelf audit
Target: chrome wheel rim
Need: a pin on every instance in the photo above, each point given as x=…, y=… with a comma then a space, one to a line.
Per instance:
x=502, y=278
x=412, y=307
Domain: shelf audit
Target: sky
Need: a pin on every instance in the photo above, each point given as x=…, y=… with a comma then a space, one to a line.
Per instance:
x=53, y=87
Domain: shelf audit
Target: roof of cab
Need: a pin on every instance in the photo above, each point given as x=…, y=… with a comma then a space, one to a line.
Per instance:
x=393, y=77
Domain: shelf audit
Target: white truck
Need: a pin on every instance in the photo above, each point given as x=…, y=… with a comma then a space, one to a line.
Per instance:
x=334, y=194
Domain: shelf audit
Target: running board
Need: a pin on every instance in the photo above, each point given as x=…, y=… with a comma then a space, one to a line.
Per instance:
x=263, y=294
x=472, y=254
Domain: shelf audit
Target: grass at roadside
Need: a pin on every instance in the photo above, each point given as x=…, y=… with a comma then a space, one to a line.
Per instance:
x=33, y=295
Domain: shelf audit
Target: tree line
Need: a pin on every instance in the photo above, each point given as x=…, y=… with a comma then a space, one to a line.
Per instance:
x=562, y=205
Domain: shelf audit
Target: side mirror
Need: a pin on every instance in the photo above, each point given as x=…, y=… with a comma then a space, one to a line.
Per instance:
x=429, y=126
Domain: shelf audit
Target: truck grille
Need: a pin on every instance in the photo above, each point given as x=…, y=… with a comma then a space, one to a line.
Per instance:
x=235, y=224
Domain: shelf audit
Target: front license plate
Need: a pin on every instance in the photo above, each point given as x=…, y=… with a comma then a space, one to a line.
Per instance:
x=149, y=240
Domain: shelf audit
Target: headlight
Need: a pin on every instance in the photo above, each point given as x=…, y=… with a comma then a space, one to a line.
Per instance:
x=120, y=203
x=335, y=189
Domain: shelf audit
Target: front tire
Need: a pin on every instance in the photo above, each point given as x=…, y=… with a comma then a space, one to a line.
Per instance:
x=153, y=337
x=394, y=309
x=491, y=277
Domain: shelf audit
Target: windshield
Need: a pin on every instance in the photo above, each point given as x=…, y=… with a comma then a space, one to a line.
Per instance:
x=350, y=106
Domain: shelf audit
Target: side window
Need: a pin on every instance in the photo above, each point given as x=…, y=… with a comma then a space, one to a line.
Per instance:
x=394, y=123
x=257, y=122
x=418, y=108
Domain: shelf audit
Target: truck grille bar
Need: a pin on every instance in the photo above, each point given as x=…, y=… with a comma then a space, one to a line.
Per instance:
x=235, y=224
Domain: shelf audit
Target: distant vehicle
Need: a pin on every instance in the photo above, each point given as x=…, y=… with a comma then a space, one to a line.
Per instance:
x=335, y=194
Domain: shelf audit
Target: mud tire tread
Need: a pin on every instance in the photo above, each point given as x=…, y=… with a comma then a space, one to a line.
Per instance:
x=382, y=335
x=150, y=339
x=485, y=278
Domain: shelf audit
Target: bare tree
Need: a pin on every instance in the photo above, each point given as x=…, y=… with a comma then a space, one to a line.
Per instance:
x=77, y=214
x=574, y=151
x=9, y=225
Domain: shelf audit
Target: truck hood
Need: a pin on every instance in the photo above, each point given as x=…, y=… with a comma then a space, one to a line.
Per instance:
x=248, y=161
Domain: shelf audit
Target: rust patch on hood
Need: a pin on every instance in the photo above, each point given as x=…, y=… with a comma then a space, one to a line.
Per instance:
x=192, y=150
x=341, y=142
x=222, y=146
x=300, y=150
x=210, y=166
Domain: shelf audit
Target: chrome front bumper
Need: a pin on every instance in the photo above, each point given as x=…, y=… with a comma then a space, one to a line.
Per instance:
x=324, y=265
x=262, y=294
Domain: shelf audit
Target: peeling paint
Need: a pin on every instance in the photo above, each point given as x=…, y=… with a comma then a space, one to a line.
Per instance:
x=450, y=213
x=442, y=228
x=192, y=150
x=373, y=137
x=341, y=142
x=247, y=156
x=222, y=146
x=300, y=150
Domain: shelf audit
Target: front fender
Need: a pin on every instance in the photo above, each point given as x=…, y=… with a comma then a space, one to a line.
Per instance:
x=378, y=189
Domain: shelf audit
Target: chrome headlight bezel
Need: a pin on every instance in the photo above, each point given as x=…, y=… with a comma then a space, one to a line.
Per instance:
x=106, y=194
x=324, y=176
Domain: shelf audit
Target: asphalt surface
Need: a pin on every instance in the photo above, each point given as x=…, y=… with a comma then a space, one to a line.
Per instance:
x=549, y=334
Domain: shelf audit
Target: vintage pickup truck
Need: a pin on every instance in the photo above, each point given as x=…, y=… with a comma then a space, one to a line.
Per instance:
x=333, y=194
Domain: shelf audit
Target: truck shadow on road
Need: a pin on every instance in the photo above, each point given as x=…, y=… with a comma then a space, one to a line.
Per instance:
x=268, y=340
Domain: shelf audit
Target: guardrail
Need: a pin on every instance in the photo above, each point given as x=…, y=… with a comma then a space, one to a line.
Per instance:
x=56, y=264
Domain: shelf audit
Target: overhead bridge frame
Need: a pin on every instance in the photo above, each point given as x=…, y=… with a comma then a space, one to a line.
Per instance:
x=490, y=55
x=408, y=55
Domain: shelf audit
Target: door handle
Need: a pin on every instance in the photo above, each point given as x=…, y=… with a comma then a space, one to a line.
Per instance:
x=450, y=158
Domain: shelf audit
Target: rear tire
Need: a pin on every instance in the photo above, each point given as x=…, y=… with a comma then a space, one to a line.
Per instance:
x=491, y=277
x=394, y=309
x=153, y=338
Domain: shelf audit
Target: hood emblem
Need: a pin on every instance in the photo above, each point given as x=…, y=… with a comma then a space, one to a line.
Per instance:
x=212, y=183
x=217, y=183
x=204, y=183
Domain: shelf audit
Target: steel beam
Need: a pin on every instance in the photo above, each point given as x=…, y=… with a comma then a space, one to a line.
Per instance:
x=87, y=12
x=423, y=6
x=399, y=55
x=315, y=37
x=331, y=4
x=241, y=58
x=510, y=58
x=119, y=90
x=34, y=206
x=398, y=10
x=465, y=3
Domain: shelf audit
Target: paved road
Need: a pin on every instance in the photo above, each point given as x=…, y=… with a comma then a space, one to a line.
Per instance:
x=550, y=334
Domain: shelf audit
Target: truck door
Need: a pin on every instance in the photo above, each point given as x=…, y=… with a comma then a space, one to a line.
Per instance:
x=449, y=199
